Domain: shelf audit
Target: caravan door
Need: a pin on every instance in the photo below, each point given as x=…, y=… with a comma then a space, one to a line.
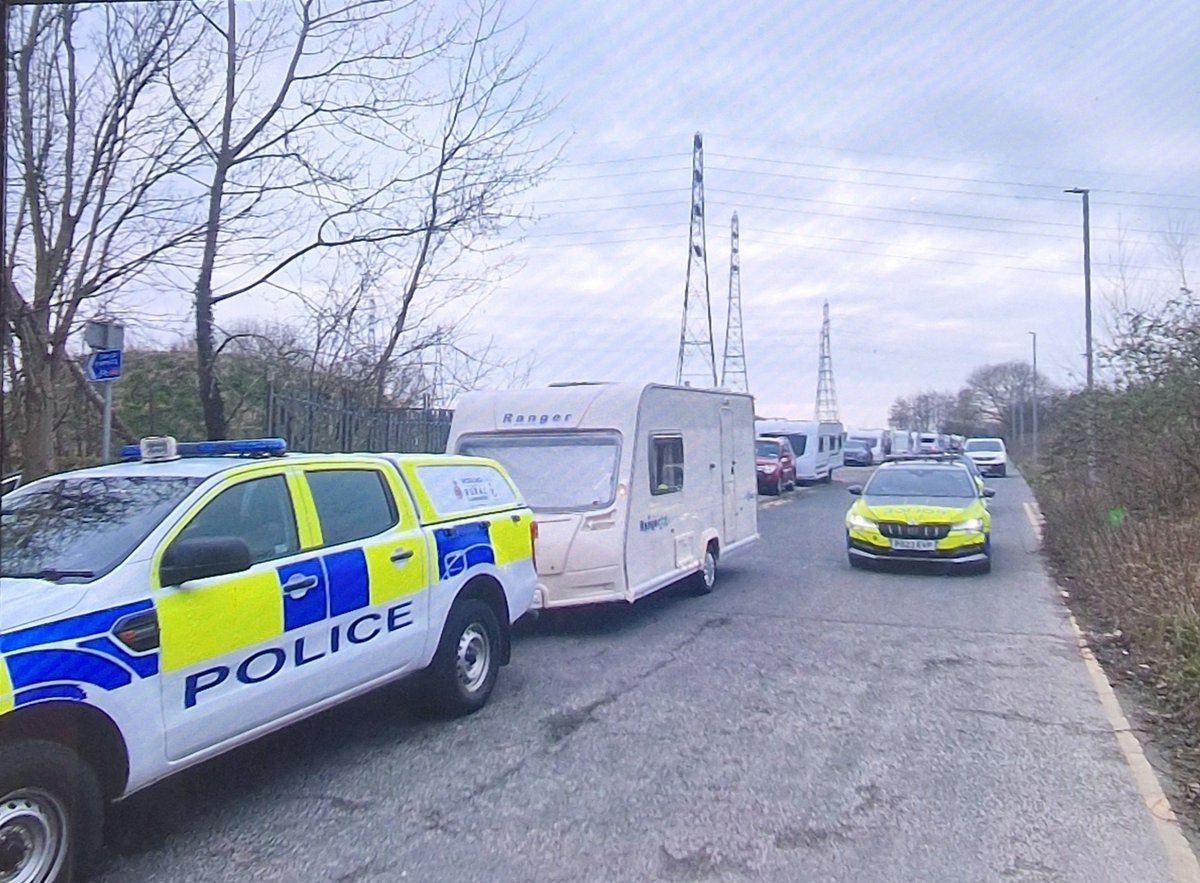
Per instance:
x=728, y=472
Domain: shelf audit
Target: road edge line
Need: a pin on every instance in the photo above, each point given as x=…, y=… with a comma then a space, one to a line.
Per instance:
x=1182, y=861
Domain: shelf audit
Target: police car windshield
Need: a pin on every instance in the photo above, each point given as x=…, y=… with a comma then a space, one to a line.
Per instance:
x=77, y=529
x=557, y=472
x=936, y=481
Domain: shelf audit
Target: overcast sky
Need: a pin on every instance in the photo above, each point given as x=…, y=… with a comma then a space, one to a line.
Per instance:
x=905, y=161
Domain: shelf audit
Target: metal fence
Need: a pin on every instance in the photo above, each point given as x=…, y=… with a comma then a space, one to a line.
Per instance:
x=331, y=424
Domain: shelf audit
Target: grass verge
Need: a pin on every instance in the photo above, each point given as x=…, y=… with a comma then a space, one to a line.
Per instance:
x=1133, y=581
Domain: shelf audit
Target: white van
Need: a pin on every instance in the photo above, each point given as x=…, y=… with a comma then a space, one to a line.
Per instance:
x=878, y=440
x=929, y=443
x=818, y=446
x=901, y=443
x=633, y=486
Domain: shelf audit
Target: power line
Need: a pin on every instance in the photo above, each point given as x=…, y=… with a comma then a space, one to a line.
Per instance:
x=909, y=222
x=897, y=173
x=921, y=189
x=743, y=194
x=1055, y=171
x=1057, y=188
x=603, y=162
x=856, y=252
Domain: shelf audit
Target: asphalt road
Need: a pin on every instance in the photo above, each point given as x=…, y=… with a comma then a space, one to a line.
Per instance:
x=803, y=722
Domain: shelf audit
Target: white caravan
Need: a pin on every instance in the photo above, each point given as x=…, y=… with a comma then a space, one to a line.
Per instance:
x=818, y=446
x=633, y=486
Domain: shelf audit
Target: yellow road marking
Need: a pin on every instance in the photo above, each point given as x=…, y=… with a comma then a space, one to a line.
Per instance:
x=1182, y=861
x=1034, y=514
x=1184, y=867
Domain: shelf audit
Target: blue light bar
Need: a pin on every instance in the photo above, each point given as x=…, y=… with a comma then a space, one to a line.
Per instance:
x=241, y=447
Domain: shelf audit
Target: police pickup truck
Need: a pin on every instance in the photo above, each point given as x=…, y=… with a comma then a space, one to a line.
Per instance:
x=163, y=610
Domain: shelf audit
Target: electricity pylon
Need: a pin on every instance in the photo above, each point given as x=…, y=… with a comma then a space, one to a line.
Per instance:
x=733, y=367
x=697, y=364
x=827, y=407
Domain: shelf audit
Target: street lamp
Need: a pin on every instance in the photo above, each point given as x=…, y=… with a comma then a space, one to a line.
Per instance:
x=1087, y=282
x=1033, y=334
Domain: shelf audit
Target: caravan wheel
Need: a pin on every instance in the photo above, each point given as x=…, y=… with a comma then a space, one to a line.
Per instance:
x=705, y=578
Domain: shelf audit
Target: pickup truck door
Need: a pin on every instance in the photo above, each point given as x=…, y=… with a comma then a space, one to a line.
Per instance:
x=375, y=559
x=227, y=666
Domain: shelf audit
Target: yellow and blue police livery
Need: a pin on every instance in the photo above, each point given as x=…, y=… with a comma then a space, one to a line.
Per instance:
x=162, y=610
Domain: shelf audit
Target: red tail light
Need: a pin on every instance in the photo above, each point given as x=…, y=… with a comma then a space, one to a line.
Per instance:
x=533, y=535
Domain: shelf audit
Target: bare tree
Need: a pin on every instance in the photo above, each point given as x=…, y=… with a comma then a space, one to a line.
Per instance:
x=93, y=150
x=383, y=127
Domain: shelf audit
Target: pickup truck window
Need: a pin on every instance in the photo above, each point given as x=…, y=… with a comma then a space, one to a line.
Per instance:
x=556, y=472
x=77, y=529
x=258, y=511
x=352, y=504
x=457, y=489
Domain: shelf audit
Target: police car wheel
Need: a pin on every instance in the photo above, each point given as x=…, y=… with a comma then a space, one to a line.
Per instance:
x=463, y=672
x=51, y=813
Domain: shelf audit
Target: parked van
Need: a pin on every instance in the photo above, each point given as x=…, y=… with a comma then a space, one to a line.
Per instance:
x=817, y=446
x=633, y=486
x=901, y=443
x=878, y=440
x=929, y=443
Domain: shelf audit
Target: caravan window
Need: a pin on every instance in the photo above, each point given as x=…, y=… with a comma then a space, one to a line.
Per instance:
x=820, y=444
x=555, y=471
x=666, y=464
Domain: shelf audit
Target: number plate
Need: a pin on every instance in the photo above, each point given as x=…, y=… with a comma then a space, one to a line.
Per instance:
x=915, y=545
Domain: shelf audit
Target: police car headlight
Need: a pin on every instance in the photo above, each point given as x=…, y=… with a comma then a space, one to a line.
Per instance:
x=971, y=525
x=860, y=522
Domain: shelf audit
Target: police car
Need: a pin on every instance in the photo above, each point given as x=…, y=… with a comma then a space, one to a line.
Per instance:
x=160, y=611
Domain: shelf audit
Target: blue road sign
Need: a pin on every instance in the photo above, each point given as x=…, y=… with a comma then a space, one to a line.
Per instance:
x=103, y=365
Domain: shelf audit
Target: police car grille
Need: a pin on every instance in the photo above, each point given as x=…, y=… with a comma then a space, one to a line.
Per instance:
x=898, y=530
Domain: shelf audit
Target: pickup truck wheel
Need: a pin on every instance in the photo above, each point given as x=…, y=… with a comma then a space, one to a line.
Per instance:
x=51, y=814
x=463, y=672
x=706, y=577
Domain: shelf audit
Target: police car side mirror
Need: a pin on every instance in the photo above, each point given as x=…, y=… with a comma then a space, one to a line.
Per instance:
x=855, y=489
x=989, y=492
x=203, y=557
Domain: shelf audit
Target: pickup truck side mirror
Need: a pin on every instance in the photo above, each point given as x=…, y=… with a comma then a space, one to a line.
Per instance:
x=203, y=557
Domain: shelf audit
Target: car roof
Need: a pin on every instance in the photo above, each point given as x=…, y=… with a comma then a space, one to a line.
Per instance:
x=924, y=462
x=206, y=467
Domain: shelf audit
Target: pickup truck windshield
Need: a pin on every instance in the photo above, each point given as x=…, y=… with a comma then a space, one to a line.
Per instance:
x=556, y=472
x=80, y=528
